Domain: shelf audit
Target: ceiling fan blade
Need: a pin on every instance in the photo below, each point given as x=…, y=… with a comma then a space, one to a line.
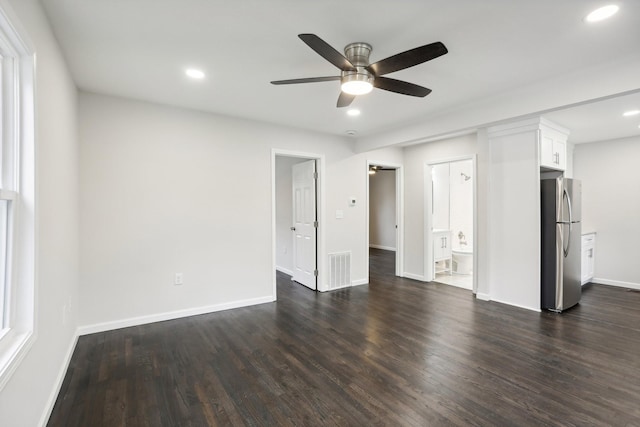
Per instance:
x=325, y=50
x=399, y=86
x=344, y=100
x=307, y=80
x=408, y=59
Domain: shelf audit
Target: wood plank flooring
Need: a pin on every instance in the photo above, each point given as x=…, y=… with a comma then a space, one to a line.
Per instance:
x=397, y=352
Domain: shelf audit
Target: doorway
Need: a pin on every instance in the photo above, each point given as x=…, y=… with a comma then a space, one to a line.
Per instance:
x=384, y=217
x=297, y=233
x=450, y=222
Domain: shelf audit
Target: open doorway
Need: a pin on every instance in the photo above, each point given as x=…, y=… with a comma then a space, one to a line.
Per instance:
x=296, y=217
x=451, y=222
x=384, y=218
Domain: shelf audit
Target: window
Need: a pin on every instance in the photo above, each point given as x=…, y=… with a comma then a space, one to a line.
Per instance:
x=17, y=195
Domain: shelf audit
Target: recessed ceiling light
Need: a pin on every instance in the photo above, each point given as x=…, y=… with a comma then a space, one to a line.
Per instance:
x=194, y=73
x=631, y=113
x=353, y=112
x=602, y=13
x=351, y=132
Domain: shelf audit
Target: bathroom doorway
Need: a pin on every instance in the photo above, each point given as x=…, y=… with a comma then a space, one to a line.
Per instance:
x=451, y=222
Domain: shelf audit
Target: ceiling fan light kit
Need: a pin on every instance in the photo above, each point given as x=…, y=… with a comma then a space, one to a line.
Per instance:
x=358, y=76
x=360, y=81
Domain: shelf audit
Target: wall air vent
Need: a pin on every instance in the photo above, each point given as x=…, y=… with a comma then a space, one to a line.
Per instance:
x=339, y=270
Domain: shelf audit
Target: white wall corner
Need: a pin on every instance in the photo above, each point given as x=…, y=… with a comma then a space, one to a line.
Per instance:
x=62, y=372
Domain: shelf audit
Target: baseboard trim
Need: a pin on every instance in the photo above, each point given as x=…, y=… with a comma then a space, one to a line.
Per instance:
x=359, y=282
x=414, y=276
x=384, y=248
x=51, y=401
x=617, y=283
x=537, y=310
x=455, y=286
x=284, y=270
x=483, y=296
x=160, y=317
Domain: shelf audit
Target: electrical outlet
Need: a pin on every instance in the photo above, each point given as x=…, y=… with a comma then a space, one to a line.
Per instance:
x=178, y=280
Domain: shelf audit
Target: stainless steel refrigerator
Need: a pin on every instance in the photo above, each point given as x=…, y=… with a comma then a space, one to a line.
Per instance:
x=561, y=238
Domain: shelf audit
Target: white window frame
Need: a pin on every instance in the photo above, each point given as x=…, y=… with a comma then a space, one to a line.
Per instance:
x=17, y=184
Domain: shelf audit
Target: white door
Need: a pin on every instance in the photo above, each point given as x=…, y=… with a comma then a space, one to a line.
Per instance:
x=304, y=223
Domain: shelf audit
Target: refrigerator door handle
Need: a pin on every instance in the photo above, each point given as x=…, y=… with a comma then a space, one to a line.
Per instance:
x=566, y=195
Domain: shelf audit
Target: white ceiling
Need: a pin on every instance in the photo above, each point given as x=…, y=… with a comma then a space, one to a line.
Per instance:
x=140, y=48
x=600, y=121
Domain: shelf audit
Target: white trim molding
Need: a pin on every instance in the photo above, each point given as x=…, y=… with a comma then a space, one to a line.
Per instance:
x=412, y=276
x=517, y=305
x=384, y=248
x=617, y=283
x=18, y=115
x=284, y=270
x=62, y=372
x=170, y=315
x=360, y=282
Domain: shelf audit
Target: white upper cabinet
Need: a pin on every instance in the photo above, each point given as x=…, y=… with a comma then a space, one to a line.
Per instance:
x=553, y=146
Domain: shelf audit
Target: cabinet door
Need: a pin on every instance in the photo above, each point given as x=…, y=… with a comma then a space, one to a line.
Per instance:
x=546, y=151
x=584, y=276
x=553, y=152
x=560, y=154
x=590, y=262
x=588, y=257
x=446, y=246
x=438, y=243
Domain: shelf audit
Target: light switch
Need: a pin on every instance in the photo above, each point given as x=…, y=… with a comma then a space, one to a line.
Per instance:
x=339, y=214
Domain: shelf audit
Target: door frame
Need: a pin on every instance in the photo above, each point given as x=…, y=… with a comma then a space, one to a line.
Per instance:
x=428, y=216
x=320, y=203
x=399, y=214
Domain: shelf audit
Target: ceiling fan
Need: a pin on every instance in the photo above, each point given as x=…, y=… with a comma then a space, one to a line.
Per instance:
x=359, y=77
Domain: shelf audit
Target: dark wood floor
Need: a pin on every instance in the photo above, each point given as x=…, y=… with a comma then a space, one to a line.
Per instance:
x=397, y=352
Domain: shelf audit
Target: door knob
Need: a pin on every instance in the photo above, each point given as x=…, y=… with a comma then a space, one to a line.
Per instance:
x=293, y=229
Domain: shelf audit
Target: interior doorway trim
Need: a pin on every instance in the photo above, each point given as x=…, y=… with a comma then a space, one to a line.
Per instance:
x=320, y=203
x=428, y=217
x=399, y=214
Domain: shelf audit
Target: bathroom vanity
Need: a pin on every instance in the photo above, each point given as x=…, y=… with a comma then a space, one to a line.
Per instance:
x=442, y=261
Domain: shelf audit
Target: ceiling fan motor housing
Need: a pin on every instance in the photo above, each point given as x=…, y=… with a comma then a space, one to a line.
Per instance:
x=358, y=54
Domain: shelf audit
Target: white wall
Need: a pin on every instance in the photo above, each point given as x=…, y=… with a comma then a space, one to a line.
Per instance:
x=611, y=206
x=415, y=158
x=461, y=202
x=166, y=190
x=441, y=192
x=382, y=209
x=284, y=213
x=514, y=215
x=28, y=396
